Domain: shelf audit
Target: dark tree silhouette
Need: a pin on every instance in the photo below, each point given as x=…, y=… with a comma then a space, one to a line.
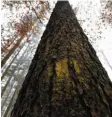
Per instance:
x=66, y=78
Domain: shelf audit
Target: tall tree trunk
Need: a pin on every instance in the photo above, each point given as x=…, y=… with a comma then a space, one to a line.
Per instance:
x=8, y=67
x=105, y=58
x=11, y=73
x=66, y=78
x=10, y=104
x=11, y=51
x=5, y=98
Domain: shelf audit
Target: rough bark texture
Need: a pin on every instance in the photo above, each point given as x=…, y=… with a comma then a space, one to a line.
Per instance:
x=66, y=78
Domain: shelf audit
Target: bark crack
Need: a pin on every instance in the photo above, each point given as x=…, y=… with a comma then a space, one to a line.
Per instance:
x=76, y=82
x=51, y=85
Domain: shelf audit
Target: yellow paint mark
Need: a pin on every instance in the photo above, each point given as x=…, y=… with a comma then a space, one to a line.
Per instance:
x=76, y=66
x=62, y=68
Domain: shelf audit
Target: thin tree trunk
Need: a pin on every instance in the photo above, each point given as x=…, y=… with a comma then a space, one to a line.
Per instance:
x=66, y=78
x=11, y=52
x=13, y=71
x=105, y=58
x=8, y=93
x=4, y=88
x=23, y=58
x=10, y=104
x=5, y=72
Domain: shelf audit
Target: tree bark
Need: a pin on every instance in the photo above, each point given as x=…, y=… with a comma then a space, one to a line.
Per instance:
x=66, y=78
x=11, y=52
x=10, y=104
x=11, y=73
x=6, y=70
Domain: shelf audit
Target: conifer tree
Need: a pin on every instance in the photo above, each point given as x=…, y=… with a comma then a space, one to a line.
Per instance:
x=66, y=78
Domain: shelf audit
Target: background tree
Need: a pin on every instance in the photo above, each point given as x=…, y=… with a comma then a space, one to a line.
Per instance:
x=19, y=30
x=66, y=77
